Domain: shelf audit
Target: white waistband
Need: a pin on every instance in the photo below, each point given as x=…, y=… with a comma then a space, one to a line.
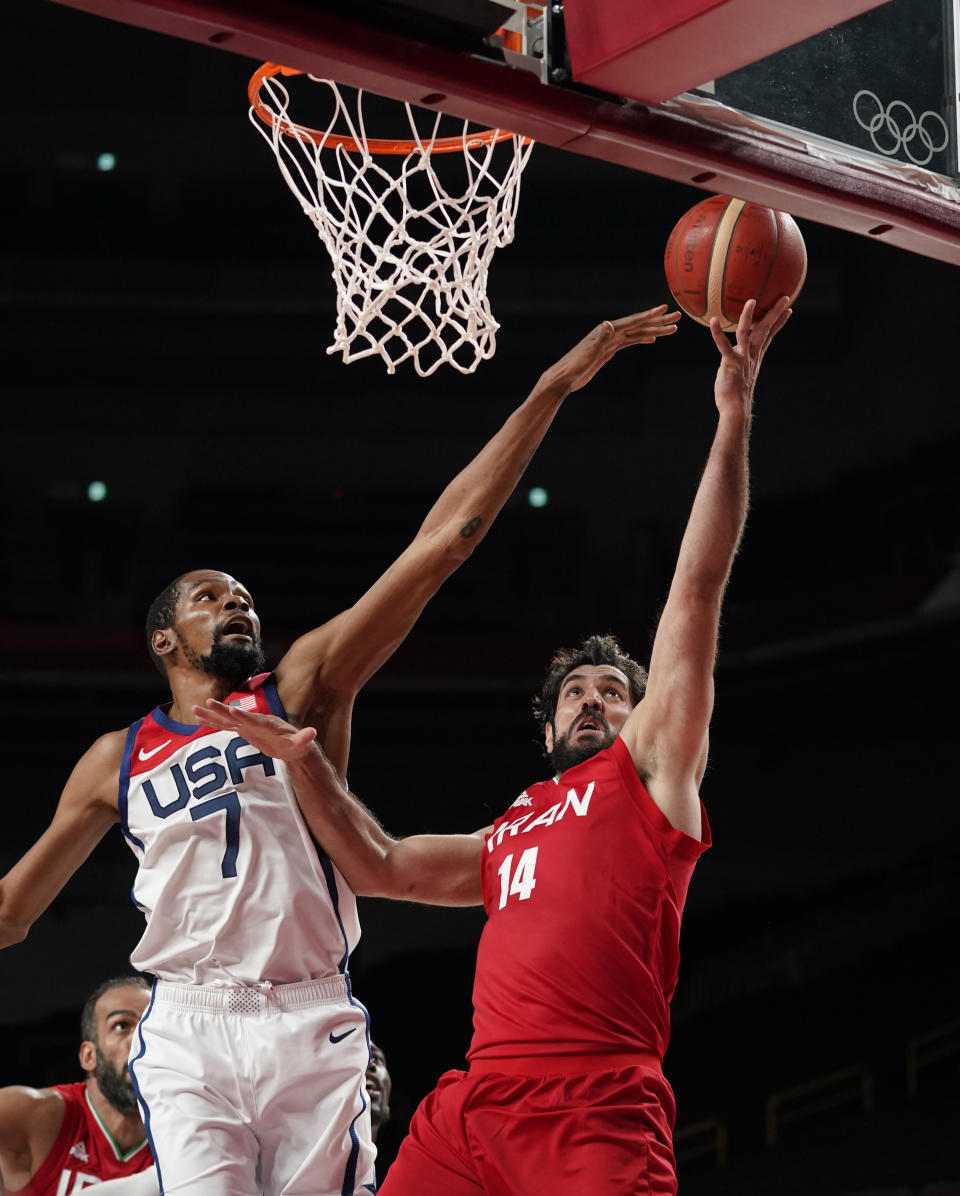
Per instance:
x=239, y=998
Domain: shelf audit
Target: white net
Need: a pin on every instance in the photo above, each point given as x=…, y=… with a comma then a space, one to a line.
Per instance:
x=410, y=252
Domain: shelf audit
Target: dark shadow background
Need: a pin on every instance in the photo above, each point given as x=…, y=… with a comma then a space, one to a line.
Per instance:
x=164, y=331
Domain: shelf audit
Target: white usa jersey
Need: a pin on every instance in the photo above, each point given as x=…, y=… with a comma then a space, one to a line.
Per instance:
x=232, y=885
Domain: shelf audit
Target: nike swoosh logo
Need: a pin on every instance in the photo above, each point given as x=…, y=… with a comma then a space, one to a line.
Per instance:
x=341, y=1037
x=153, y=751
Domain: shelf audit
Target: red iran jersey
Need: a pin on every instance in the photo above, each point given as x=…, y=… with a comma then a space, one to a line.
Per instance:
x=84, y=1152
x=584, y=881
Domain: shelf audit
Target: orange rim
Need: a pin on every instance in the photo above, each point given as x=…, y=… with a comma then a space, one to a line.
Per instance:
x=376, y=145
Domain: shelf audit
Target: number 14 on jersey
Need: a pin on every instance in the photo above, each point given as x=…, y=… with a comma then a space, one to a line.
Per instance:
x=519, y=883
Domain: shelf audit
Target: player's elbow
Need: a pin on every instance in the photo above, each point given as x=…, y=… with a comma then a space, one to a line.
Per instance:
x=700, y=590
x=390, y=881
x=455, y=551
x=469, y=534
x=438, y=876
x=12, y=932
x=442, y=548
x=461, y=536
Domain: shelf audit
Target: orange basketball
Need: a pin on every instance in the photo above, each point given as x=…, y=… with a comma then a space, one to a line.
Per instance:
x=725, y=251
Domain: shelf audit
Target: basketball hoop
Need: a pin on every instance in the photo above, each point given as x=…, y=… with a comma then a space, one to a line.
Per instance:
x=410, y=253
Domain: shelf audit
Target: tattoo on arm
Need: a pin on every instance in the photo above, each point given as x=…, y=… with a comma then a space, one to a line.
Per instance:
x=471, y=527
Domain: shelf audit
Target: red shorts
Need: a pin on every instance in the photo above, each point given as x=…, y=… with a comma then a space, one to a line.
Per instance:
x=606, y=1133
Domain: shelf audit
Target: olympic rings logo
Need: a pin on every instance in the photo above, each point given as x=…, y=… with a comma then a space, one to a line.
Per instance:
x=889, y=136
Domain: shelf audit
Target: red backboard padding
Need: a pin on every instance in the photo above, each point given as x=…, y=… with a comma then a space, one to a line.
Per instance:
x=651, y=51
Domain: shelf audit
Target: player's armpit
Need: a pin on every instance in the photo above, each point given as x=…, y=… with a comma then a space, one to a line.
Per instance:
x=86, y=811
x=30, y=1119
x=679, y=800
x=17, y=1104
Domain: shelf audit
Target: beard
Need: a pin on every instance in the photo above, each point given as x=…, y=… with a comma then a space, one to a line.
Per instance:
x=116, y=1086
x=234, y=662
x=566, y=754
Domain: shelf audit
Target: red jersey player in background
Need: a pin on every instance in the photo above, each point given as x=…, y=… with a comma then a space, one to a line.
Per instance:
x=60, y=1140
x=583, y=879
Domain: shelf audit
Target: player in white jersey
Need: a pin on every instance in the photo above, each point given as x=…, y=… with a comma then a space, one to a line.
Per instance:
x=250, y=1059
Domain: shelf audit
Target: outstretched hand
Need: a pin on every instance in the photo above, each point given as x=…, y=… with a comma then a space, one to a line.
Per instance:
x=271, y=735
x=740, y=359
x=576, y=368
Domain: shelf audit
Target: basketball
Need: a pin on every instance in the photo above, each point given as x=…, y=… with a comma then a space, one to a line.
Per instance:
x=725, y=251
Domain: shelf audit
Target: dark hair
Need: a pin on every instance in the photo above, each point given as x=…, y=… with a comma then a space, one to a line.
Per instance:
x=163, y=613
x=595, y=649
x=88, y=1019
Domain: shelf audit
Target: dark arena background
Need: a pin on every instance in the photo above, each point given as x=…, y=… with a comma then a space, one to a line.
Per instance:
x=165, y=319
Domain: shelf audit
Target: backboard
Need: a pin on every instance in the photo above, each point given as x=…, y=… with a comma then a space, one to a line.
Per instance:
x=843, y=112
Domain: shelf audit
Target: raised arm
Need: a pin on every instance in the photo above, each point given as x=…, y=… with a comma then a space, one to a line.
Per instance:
x=430, y=869
x=86, y=811
x=667, y=733
x=323, y=670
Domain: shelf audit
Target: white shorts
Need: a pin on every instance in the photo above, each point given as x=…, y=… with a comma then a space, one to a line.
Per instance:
x=256, y=1090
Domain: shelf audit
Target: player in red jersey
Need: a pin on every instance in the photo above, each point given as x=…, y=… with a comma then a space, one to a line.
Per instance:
x=583, y=880
x=57, y=1141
